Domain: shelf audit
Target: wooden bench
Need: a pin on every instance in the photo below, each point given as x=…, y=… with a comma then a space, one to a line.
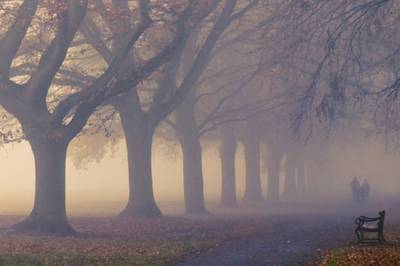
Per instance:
x=372, y=226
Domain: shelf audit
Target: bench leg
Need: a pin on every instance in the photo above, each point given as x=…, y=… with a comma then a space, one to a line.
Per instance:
x=358, y=234
x=381, y=238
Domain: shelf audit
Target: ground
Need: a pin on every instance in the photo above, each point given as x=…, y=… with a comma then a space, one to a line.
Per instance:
x=294, y=240
x=293, y=235
x=368, y=255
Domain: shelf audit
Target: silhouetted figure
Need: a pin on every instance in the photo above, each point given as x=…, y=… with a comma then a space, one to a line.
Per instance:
x=355, y=190
x=364, y=191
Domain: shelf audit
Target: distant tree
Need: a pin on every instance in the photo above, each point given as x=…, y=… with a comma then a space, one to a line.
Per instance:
x=214, y=102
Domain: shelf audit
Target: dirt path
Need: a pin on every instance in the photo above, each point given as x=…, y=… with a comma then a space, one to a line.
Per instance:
x=291, y=241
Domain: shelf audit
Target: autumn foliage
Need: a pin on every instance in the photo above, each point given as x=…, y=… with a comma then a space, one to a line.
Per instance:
x=366, y=255
x=111, y=241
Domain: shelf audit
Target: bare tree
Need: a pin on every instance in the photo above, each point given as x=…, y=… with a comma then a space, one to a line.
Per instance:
x=49, y=131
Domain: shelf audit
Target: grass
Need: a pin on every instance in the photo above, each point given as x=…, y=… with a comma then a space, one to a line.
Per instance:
x=156, y=254
x=110, y=241
x=366, y=255
x=335, y=257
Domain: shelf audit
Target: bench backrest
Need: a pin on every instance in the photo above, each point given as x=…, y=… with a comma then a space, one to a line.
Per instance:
x=379, y=221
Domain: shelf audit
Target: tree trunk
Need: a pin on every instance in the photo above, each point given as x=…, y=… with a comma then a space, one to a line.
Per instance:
x=253, y=191
x=193, y=175
x=138, y=133
x=273, y=167
x=315, y=167
x=188, y=136
x=139, y=138
x=313, y=177
x=227, y=154
x=301, y=177
x=49, y=212
x=290, y=175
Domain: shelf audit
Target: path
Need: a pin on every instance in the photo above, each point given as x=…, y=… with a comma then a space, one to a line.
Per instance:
x=292, y=241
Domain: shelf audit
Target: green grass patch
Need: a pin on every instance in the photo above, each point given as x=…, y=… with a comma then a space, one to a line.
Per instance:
x=335, y=257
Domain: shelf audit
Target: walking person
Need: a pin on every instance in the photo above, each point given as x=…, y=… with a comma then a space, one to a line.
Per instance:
x=355, y=189
x=365, y=189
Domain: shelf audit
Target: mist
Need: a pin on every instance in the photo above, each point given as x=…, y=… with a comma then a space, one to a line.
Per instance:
x=207, y=132
x=346, y=156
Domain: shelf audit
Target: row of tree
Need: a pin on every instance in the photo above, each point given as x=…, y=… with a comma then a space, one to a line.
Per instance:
x=62, y=61
x=183, y=70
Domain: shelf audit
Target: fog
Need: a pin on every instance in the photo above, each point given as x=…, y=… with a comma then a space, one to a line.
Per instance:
x=101, y=189
x=129, y=126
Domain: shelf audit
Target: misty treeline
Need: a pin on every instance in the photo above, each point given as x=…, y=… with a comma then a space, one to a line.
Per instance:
x=276, y=76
